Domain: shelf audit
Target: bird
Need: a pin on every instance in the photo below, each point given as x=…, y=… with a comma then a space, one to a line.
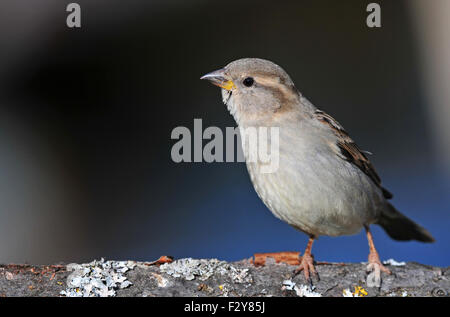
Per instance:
x=325, y=184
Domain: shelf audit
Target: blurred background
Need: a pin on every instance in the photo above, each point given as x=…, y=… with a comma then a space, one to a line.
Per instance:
x=86, y=117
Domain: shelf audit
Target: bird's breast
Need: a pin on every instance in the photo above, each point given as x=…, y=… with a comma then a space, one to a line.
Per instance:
x=314, y=190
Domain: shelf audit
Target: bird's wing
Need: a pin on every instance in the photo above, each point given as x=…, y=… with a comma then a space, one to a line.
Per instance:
x=349, y=150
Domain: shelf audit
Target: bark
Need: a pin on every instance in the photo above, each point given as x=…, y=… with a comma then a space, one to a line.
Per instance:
x=260, y=276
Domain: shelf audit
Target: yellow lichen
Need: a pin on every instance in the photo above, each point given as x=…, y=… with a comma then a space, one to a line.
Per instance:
x=359, y=292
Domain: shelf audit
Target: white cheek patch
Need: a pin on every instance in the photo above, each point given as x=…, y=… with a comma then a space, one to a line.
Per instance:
x=228, y=100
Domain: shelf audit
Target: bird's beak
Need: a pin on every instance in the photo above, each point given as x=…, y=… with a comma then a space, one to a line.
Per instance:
x=219, y=78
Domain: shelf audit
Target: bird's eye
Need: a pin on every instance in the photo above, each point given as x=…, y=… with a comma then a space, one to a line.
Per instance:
x=248, y=81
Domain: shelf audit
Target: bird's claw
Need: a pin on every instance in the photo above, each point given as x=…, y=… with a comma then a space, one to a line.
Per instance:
x=374, y=268
x=375, y=264
x=307, y=266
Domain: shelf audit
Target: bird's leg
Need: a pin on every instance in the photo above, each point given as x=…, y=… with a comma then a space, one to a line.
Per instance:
x=307, y=263
x=374, y=260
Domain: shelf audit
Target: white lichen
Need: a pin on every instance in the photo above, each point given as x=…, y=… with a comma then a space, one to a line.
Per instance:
x=346, y=293
x=306, y=291
x=288, y=285
x=301, y=291
x=394, y=263
x=97, y=278
x=189, y=269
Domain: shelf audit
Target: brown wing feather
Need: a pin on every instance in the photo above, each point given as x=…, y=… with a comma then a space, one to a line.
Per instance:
x=350, y=151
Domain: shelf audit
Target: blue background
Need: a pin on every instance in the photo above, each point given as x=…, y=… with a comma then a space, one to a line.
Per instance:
x=86, y=117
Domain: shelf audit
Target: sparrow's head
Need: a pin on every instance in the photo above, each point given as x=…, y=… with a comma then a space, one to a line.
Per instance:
x=254, y=89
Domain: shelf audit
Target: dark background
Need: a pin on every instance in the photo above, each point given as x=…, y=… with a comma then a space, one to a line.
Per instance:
x=86, y=117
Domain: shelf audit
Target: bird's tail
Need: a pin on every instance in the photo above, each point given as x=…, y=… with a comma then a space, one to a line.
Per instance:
x=399, y=227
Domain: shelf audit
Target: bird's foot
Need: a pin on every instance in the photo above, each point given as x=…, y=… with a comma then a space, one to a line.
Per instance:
x=375, y=267
x=307, y=266
x=375, y=264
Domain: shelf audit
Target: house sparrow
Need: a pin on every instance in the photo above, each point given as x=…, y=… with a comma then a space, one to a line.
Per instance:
x=324, y=185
